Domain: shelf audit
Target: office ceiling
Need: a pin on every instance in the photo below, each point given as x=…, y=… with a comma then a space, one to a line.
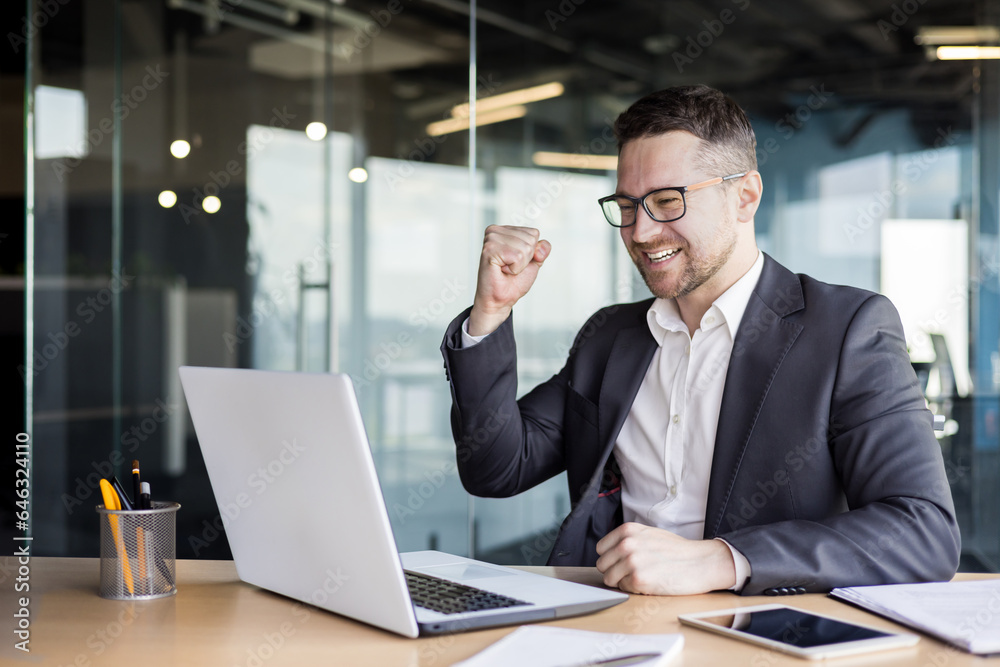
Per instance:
x=770, y=54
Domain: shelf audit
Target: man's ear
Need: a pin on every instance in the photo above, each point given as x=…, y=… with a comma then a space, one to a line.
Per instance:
x=751, y=188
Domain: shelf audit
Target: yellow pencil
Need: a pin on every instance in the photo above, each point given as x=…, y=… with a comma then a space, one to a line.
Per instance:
x=111, y=503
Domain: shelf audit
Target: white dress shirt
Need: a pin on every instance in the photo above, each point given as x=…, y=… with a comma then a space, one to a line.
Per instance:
x=665, y=455
x=667, y=443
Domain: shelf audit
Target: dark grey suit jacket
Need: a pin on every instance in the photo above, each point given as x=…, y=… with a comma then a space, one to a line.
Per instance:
x=826, y=470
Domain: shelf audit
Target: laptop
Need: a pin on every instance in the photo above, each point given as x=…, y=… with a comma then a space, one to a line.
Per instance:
x=292, y=473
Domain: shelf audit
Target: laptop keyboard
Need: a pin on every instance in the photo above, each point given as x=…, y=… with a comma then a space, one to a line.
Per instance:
x=447, y=597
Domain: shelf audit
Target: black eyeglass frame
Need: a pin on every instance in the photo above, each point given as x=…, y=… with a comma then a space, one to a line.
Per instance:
x=683, y=190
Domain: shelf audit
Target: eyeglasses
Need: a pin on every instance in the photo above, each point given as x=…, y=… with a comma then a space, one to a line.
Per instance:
x=663, y=205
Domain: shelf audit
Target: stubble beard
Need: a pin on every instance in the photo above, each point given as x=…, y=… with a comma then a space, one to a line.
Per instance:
x=698, y=269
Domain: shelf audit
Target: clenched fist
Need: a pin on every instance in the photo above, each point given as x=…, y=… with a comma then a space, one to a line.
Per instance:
x=507, y=269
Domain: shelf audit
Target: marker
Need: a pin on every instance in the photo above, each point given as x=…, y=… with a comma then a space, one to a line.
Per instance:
x=144, y=501
x=125, y=504
x=135, y=483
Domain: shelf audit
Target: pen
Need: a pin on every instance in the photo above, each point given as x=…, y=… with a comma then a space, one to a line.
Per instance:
x=144, y=573
x=150, y=571
x=125, y=503
x=111, y=503
x=135, y=483
x=146, y=503
x=621, y=661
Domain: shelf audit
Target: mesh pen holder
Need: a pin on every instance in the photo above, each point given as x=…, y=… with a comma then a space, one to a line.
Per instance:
x=138, y=550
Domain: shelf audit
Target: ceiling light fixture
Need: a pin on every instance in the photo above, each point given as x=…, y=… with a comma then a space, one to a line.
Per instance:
x=167, y=198
x=968, y=52
x=316, y=130
x=211, y=204
x=515, y=97
x=959, y=34
x=450, y=125
x=180, y=149
x=575, y=161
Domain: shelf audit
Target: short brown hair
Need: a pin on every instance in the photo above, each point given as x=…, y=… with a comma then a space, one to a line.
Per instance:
x=730, y=146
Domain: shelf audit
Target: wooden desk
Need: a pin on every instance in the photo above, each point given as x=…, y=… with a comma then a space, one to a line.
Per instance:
x=217, y=620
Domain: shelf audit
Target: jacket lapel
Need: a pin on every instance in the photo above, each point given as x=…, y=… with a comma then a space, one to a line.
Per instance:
x=625, y=369
x=762, y=341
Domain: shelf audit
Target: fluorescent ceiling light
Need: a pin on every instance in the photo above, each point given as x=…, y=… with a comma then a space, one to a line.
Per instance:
x=968, y=52
x=959, y=34
x=515, y=97
x=575, y=161
x=450, y=125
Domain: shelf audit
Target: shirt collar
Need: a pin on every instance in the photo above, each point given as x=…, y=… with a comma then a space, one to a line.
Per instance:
x=664, y=317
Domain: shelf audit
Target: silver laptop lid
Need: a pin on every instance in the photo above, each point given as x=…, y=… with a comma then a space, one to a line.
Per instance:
x=312, y=527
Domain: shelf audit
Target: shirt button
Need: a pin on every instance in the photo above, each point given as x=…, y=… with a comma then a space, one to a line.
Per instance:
x=676, y=419
x=687, y=349
x=673, y=489
x=709, y=320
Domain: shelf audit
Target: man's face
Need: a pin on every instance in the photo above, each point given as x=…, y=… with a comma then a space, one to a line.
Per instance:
x=675, y=258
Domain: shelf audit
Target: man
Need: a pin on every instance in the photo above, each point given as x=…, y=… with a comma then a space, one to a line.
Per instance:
x=747, y=429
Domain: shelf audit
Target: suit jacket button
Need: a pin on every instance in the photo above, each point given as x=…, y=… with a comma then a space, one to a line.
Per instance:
x=800, y=590
x=771, y=591
x=783, y=591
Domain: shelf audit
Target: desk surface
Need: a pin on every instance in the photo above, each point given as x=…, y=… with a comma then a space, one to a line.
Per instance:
x=217, y=620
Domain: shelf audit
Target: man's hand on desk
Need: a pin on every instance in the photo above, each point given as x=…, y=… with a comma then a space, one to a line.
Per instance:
x=653, y=561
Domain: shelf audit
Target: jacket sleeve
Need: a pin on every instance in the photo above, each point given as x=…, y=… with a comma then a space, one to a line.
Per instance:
x=900, y=525
x=504, y=446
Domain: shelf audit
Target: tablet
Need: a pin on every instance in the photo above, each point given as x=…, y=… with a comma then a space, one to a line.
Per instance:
x=800, y=633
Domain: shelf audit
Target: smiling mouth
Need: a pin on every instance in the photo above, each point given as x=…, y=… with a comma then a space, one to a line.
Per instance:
x=662, y=255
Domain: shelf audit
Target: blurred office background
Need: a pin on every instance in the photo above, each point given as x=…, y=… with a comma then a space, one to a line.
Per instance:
x=294, y=185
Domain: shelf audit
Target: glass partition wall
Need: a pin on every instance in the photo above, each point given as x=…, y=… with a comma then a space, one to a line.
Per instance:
x=303, y=185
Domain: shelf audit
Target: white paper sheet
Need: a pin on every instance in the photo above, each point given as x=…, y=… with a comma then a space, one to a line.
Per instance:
x=543, y=646
x=963, y=613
